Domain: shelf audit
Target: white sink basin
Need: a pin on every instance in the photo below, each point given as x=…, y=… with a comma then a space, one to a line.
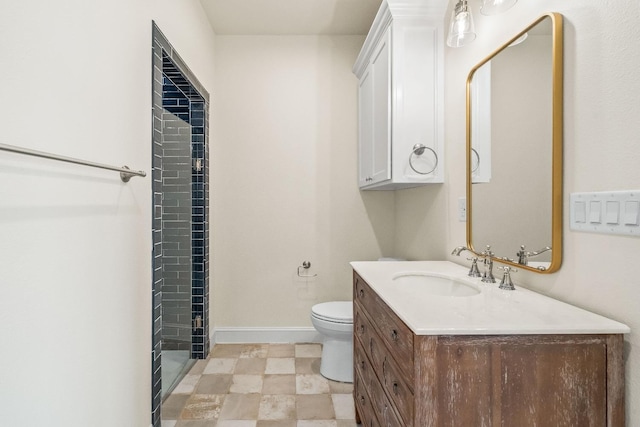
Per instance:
x=434, y=284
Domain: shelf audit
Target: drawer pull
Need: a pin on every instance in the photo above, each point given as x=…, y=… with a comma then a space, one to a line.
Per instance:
x=362, y=400
x=362, y=329
x=395, y=387
x=361, y=293
x=394, y=335
x=362, y=365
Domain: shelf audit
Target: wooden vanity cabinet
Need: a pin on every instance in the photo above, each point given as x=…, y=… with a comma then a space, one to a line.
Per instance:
x=403, y=379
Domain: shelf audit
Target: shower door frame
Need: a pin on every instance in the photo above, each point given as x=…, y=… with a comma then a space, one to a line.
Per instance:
x=162, y=51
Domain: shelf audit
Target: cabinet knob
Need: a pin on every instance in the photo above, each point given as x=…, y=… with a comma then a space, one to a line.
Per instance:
x=361, y=293
x=394, y=335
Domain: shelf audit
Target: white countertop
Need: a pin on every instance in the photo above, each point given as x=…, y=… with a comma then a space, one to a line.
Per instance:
x=491, y=312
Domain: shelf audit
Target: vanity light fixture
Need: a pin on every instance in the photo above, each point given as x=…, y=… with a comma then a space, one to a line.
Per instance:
x=461, y=28
x=494, y=7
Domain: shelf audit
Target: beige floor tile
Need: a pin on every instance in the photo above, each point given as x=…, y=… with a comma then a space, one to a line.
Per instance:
x=246, y=384
x=343, y=406
x=277, y=407
x=314, y=407
x=251, y=366
x=276, y=423
x=214, y=384
x=340, y=388
x=220, y=366
x=317, y=423
x=307, y=365
x=198, y=367
x=196, y=423
x=236, y=423
x=187, y=385
x=203, y=407
x=226, y=350
x=277, y=371
x=240, y=407
x=308, y=350
x=173, y=405
x=281, y=350
x=279, y=384
x=311, y=384
x=284, y=365
x=254, y=350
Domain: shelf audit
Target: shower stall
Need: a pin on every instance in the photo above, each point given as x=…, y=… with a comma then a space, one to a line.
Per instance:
x=180, y=226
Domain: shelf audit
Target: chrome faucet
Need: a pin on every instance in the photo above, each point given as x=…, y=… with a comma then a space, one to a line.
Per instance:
x=486, y=255
x=474, y=272
x=487, y=275
x=459, y=249
x=506, y=282
x=523, y=256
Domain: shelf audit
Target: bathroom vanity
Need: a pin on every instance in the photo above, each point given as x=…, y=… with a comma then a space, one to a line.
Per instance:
x=433, y=347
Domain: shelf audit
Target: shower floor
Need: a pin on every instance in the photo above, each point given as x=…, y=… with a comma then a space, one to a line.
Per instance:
x=175, y=365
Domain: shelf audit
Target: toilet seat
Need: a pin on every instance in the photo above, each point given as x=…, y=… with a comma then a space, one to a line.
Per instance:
x=335, y=311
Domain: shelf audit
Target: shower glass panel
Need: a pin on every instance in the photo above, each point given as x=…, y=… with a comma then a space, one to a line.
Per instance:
x=176, y=236
x=180, y=184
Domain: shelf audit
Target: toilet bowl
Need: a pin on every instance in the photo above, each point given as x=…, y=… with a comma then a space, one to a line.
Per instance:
x=334, y=320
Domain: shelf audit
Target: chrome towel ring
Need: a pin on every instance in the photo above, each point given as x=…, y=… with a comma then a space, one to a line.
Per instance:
x=418, y=150
x=477, y=164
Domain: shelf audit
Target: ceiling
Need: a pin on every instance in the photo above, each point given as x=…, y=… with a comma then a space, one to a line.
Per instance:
x=291, y=17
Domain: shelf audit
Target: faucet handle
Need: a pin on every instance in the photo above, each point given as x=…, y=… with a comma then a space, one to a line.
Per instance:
x=474, y=272
x=487, y=252
x=506, y=282
x=523, y=255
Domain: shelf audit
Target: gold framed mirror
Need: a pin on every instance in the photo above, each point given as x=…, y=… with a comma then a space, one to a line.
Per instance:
x=514, y=149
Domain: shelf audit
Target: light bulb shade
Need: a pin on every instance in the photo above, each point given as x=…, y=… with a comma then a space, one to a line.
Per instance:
x=493, y=7
x=461, y=28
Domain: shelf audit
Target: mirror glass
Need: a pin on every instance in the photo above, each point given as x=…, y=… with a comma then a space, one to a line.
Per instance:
x=514, y=149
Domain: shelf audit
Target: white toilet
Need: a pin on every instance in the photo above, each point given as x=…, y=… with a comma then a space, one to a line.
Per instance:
x=334, y=320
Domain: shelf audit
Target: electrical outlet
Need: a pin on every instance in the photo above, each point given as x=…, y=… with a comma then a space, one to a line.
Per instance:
x=462, y=209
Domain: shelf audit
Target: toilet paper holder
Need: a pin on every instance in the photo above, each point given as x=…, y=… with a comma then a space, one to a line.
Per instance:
x=305, y=265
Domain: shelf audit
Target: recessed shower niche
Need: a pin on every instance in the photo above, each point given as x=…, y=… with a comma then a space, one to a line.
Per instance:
x=180, y=227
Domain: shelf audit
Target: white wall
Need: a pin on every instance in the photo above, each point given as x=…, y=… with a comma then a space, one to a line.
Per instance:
x=285, y=179
x=602, y=152
x=75, y=242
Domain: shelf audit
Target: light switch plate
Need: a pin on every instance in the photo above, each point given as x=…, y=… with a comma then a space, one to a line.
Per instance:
x=462, y=209
x=608, y=212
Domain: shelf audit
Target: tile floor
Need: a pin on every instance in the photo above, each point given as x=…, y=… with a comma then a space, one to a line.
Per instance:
x=259, y=385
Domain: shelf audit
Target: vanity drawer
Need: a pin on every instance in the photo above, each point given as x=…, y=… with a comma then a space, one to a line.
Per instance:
x=383, y=407
x=363, y=403
x=362, y=292
x=370, y=349
x=393, y=381
x=398, y=390
x=397, y=337
x=359, y=358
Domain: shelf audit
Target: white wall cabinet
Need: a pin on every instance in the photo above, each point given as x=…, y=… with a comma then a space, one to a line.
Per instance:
x=400, y=97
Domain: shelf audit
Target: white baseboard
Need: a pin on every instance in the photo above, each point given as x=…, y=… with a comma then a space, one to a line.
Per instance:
x=257, y=335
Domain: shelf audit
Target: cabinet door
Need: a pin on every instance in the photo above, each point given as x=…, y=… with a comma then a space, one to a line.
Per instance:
x=365, y=131
x=381, y=142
